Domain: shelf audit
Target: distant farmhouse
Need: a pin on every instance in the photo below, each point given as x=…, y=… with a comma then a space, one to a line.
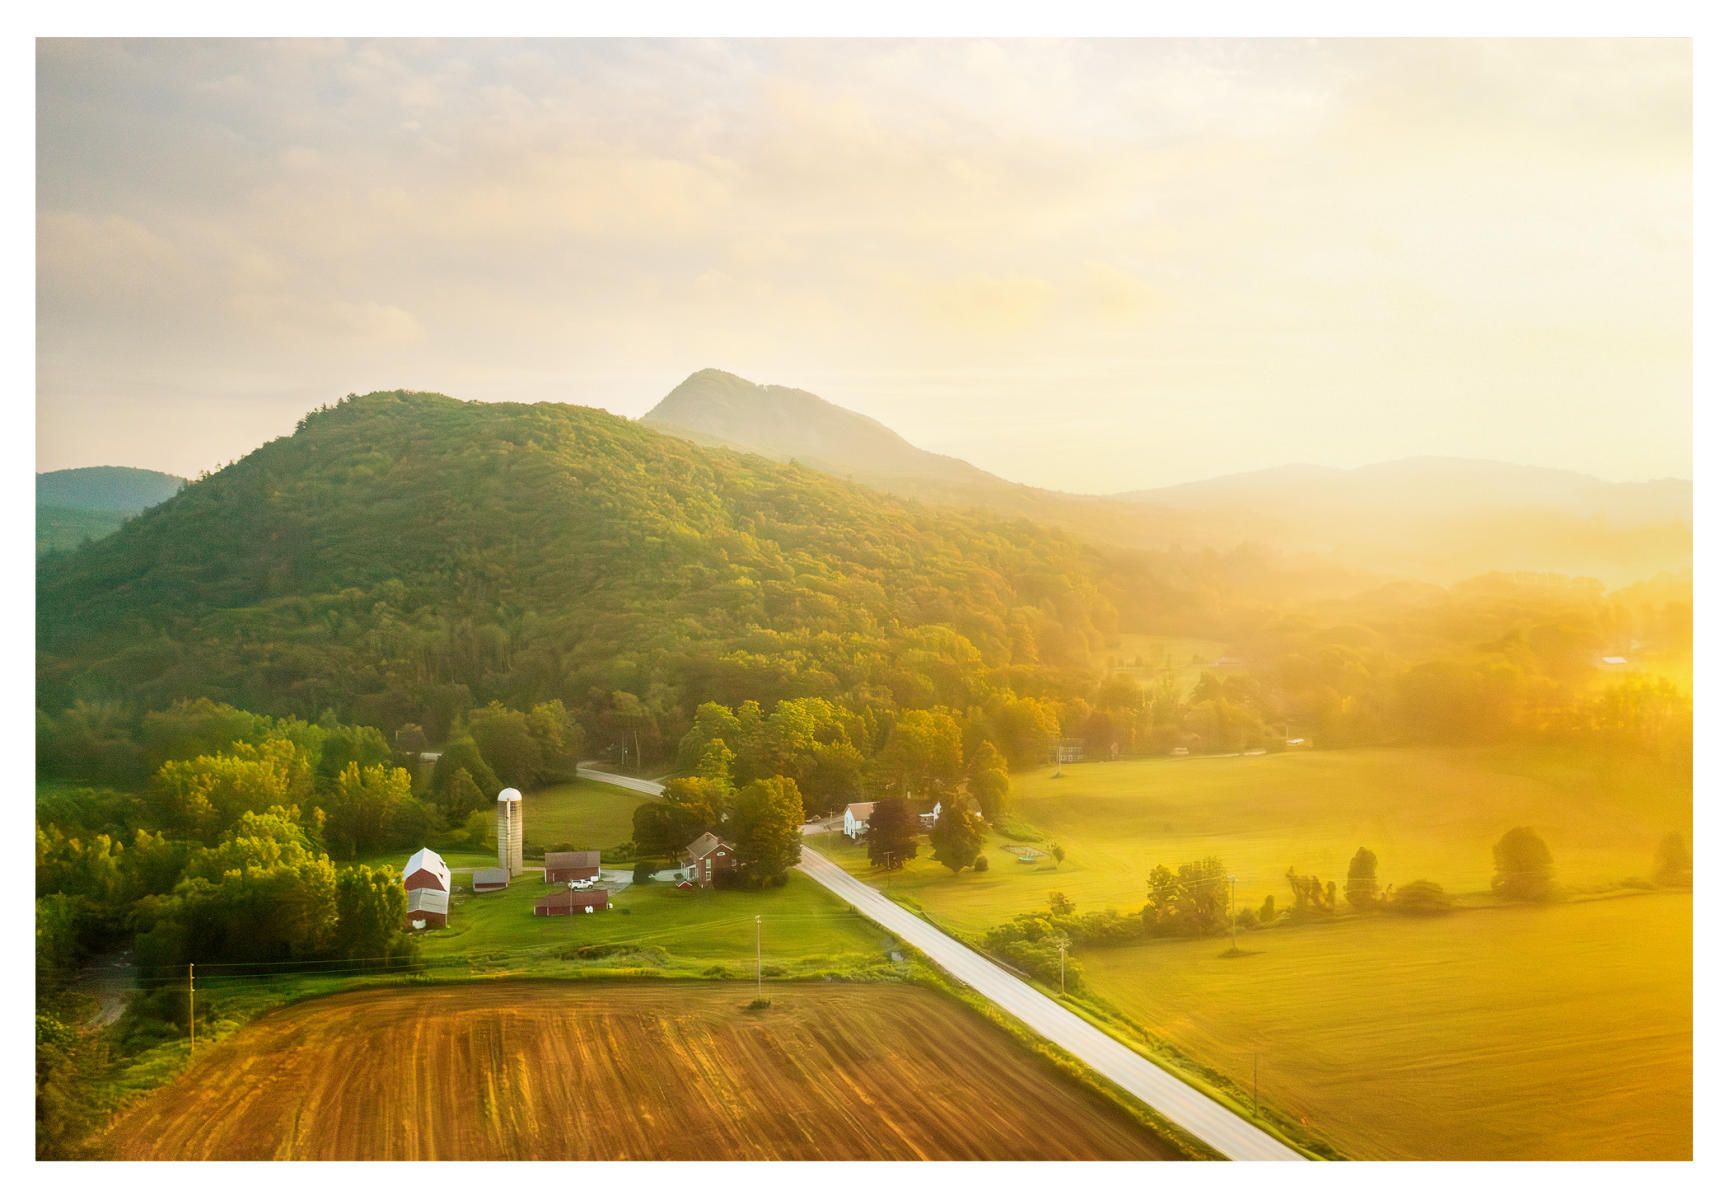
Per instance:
x=705, y=859
x=857, y=819
x=571, y=866
x=568, y=903
x=427, y=880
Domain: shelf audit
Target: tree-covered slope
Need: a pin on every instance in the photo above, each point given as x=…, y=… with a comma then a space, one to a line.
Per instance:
x=403, y=555
x=106, y=489
x=85, y=503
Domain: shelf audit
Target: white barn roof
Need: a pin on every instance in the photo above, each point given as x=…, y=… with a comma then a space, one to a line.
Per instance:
x=429, y=900
x=428, y=860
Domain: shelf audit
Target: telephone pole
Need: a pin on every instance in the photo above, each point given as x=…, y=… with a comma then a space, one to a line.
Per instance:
x=191, y=1015
x=1063, y=966
x=759, y=957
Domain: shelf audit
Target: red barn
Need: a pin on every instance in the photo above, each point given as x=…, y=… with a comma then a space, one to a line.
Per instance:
x=428, y=908
x=571, y=866
x=569, y=904
x=426, y=870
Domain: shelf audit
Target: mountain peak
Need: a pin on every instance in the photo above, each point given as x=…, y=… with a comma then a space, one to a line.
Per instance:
x=716, y=407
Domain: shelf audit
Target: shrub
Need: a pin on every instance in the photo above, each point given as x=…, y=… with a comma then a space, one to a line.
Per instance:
x=1422, y=898
x=982, y=863
x=643, y=872
x=759, y=1003
x=1524, y=868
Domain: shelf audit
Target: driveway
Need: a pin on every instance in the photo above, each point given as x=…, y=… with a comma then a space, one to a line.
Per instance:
x=647, y=786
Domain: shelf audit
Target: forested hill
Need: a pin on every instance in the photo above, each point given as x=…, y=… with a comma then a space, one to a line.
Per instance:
x=85, y=503
x=404, y=555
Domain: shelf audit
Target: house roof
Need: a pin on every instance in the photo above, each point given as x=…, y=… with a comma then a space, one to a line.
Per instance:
x=429, y=900
x=861, y=811
x=428, y=860
x=573, y=860
x=702, y=848
x=491, y=875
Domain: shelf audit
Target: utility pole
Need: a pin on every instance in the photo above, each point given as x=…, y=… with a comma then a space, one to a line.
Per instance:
x=759, y=957
x=191, y=1015
x=1063, y=966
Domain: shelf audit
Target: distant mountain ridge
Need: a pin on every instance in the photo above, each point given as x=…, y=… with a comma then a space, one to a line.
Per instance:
x=1433, y=518
x=85, y=503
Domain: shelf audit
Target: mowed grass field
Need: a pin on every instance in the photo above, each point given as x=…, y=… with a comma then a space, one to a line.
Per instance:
x=804, y=927
x=1557, y=1032
x=661, y=1071
x=1427, y=813
x=587, y=815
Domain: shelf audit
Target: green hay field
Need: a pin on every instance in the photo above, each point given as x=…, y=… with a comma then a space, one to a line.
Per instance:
x=587, y=815
x=1557, y=1032
x=804, y=928
x=1428, y=813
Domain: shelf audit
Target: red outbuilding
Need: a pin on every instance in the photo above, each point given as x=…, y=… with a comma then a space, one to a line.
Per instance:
x=569, y=903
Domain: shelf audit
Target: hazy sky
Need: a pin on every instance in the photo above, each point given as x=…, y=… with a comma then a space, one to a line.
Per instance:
x=1086, y=265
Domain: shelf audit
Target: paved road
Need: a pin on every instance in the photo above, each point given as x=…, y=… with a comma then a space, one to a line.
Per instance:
x=1201, y=1116
x=646, y=786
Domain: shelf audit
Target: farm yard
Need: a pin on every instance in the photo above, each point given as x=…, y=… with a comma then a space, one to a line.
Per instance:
x=1555, y=1032
x=662, y=1071
x=1427, y=813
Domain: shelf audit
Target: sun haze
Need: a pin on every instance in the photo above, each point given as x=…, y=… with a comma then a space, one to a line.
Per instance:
x=1093, y=266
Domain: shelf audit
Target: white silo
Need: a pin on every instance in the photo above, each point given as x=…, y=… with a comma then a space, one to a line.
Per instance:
x=511, y=830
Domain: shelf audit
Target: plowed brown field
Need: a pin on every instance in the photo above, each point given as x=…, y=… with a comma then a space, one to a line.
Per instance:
x=626, y=1071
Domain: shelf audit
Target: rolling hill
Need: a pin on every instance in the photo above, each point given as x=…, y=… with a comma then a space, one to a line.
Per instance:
x=1437, y=519
x=85, y=503
x=403, y=555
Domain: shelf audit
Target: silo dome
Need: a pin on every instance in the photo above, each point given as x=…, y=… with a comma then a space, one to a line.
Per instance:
x=510, y=794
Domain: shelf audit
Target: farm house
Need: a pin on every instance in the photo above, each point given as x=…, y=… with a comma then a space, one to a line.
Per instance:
x=571, y=866
x=857, y=819
x=568, y=903
x=491, y=879
x=428, y=908
x=706, y=858
x=426, y=869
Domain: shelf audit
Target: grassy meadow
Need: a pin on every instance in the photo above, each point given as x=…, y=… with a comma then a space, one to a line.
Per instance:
x=587, y=815
x=805, y=929
x=1495, y=1032
x=1556, y=1032
x=1427, y=813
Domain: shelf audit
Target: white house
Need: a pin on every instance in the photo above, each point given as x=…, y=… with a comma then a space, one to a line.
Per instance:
x=857, y=818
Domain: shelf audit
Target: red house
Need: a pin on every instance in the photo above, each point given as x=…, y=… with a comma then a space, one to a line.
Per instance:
x=706, y=858
x=569, y=904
